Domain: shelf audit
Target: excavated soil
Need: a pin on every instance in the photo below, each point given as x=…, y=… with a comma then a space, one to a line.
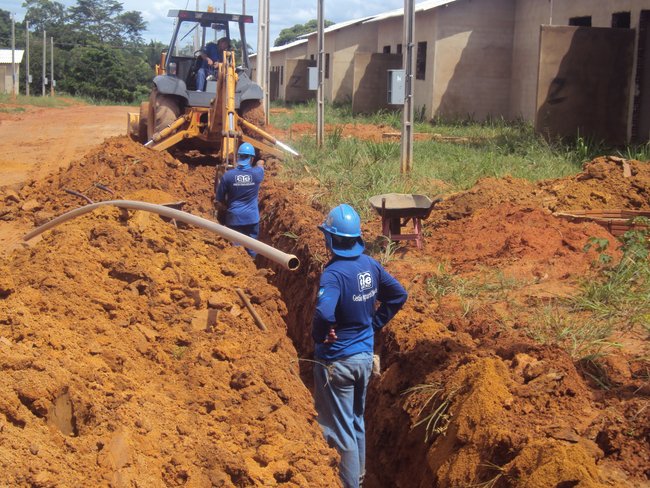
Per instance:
x=129, y=360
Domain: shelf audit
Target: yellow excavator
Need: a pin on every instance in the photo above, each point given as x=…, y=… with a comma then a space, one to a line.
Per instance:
x=226, y=113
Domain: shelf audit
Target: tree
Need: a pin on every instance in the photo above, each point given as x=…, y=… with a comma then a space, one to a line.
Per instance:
x=5, y=28
x=290, y=34
x=131, y=25
x=46, y=15
x=103, y=73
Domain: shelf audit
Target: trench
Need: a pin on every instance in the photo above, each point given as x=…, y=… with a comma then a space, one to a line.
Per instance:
x=283, y=217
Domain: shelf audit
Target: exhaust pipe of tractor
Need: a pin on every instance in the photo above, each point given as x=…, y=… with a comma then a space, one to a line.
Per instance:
x=289, y=261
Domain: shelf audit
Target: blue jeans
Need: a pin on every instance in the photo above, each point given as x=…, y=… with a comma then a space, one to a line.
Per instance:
x=201, y=77
x=250, y=230
x=340, y=395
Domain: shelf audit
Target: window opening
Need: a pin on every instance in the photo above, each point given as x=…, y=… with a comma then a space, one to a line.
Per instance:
x=421, y=61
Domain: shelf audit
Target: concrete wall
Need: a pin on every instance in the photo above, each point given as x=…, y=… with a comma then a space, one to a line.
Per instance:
x=279, y=60
x=297, y=81
x=584, y=82
x=391, y=33
x=341, y=46
x=6, y=78
x=371, y=81
x=346, y=43
x=530, y=15
x=473, y=59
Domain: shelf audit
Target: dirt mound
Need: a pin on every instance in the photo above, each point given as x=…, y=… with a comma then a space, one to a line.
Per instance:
x=522, y=242
x=606, y=182
x=127, y=356
x=110, y=172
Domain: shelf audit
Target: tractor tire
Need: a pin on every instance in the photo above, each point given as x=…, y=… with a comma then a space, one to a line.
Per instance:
x=142, y=124
x=163, y=110
x=252, y=111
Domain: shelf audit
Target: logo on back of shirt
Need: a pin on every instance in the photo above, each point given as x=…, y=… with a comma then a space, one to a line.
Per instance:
x=365, y=280
x=243, y=178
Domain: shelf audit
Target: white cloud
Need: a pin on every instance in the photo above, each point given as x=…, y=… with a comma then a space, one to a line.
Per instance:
x=284, y=13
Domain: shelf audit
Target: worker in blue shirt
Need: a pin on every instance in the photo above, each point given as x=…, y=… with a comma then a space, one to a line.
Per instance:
x=343, y=330
x=237, y=191
x=210, y=57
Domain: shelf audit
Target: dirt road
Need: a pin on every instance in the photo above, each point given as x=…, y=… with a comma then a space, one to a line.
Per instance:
x=39, y=141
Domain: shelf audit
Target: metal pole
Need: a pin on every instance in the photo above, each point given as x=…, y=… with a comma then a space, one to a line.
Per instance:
x=408, y=60
x=13, y=56
x=262, y=68
x=267, y=75
x=52, y=66
x=44, y=62
x=320, y=61
x=243, y=7
x=197, y=41
x=27, y=58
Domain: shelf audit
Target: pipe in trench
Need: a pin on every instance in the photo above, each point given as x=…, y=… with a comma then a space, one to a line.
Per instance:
x=289, y=261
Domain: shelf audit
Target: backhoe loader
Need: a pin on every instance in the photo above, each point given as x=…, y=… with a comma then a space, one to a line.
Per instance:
x=227, y=113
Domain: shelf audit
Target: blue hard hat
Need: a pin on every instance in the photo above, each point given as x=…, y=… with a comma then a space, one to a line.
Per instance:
x=246, y=150
x=342, y=229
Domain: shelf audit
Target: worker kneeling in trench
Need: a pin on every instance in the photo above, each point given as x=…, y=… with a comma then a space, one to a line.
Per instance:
x=343, y=329
x=237, y=193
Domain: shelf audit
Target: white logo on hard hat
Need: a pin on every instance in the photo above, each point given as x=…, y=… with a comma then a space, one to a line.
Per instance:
x=365, y=280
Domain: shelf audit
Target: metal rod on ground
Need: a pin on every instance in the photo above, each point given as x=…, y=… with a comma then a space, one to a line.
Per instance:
x=258, y=320
x=78, y=194
x=289, y=261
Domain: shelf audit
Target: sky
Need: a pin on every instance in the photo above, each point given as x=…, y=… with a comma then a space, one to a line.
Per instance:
x=283, y=13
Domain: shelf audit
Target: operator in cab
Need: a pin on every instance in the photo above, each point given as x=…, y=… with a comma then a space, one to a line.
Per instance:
x=210, y=56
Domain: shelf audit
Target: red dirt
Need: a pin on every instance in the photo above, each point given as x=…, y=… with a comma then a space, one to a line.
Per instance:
x=114, y=371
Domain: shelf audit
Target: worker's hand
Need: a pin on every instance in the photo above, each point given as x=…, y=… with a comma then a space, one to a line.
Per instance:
x=331, y=336
x=260, y=162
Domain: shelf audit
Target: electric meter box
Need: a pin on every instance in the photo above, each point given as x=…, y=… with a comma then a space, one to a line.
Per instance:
x=396, y=86
x=313, y=77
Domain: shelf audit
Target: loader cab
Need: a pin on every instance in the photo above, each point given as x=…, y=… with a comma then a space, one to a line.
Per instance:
x=193, y=31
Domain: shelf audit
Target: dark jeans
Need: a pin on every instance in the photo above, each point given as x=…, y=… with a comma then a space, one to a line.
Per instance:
x=250, y=230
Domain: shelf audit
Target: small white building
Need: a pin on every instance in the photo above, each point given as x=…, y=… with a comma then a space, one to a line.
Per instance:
x=5, y=69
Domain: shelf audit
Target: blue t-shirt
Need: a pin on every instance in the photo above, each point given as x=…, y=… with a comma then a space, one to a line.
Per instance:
x=213, y=52
x=238, y=189
x=349, y=290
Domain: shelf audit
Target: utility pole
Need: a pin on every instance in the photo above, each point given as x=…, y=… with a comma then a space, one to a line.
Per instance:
x=262, y=68
x=267, y=76
x=51, y=66
x=197, y=42
x=408, y=60
x=27, y=58
x=243, y=7
x=44, y=62
x=320, y=61
x=13, y=56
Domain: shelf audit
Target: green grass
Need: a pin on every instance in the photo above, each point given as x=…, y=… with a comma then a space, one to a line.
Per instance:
x=47, y=101
x=58, y=100
x=606, y=307
x=352, y=170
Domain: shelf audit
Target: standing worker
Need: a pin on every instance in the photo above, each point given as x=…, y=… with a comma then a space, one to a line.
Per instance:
x=343, y=330
x=237, y=191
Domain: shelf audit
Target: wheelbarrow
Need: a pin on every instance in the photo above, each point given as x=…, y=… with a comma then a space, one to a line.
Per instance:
x=397, y=209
